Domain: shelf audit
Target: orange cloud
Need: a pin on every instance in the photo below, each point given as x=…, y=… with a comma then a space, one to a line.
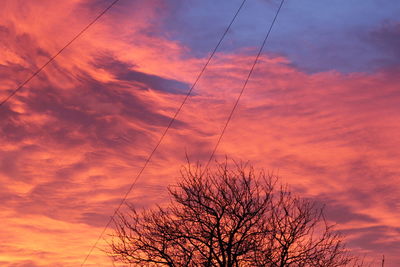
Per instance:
x=77, y=135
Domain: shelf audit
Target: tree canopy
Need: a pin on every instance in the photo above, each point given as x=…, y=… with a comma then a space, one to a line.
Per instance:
x=231, y=216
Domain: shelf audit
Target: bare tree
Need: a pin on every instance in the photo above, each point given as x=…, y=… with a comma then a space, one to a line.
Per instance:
x=228, y=217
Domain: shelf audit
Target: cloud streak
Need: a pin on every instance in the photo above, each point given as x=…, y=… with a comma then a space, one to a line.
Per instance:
x=75, y=137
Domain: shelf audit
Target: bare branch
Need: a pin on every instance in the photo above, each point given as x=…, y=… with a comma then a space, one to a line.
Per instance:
x=229, y=217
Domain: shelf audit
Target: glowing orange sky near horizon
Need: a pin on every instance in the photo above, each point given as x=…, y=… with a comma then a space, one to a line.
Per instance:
x=75, y=137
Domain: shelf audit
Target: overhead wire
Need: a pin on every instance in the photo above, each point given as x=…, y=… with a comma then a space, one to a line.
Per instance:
x=8, y=97
x=164, y=133
x=38, y=71
x=244, y=86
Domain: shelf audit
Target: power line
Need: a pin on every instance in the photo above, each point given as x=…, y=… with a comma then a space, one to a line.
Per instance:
x=57, y=54
x=244, y=85
x=164, y=133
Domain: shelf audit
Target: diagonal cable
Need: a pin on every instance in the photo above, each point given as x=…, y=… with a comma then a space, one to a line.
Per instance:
x=164, y=133
x=244, y=86
x=57, y=54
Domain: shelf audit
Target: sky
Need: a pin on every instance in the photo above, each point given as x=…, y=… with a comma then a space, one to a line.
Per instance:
x=321, y=110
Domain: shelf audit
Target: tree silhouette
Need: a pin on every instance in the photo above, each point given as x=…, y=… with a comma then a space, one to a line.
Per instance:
x=228, y=217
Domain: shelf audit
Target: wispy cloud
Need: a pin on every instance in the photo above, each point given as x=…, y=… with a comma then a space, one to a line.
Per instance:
x=76, y=136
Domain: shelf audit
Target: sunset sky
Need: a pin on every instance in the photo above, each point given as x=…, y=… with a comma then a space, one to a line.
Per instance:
x=322, y=110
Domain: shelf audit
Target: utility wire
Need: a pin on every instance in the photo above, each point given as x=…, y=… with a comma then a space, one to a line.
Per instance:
x=57, y=54
x=164, y=133
x=244, y=86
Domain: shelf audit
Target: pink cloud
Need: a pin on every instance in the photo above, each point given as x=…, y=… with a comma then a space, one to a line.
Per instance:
x=74, y=138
